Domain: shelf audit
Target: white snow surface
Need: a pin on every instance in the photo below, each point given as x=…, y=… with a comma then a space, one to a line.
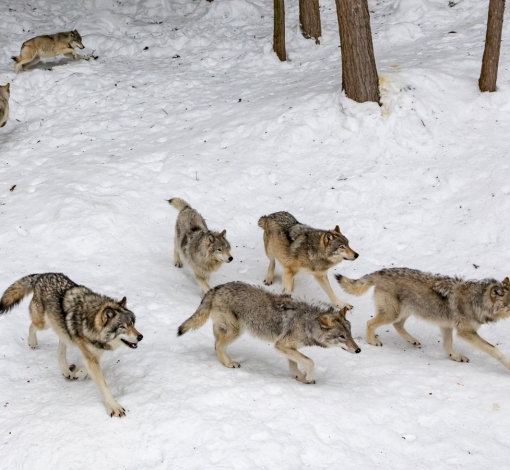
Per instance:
x=188, y=100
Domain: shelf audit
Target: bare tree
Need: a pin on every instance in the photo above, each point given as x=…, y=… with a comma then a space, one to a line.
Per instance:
x=359, y=73
x=490, y=61
x=310, y=19
x=279, y=30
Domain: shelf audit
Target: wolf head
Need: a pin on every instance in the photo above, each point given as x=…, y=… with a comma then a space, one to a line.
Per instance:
x=336, y=246
x=5, y=90
x=118, y=325
x=219, y=247
x=500, y=298
x=75, y=38
x=336, y=331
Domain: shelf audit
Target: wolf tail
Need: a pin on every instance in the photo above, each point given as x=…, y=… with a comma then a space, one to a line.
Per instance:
x=355, y=286
x=263, y=222
x=16, y=59
x=179, y=204
x=15, y=293
x=199, y=318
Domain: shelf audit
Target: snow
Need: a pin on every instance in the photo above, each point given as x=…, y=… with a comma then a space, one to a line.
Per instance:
x=209, y=114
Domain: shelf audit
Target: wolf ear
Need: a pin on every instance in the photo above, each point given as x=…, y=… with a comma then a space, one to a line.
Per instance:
x=328, y=237
x=122, y=303
x=8, y=89
x=75, y=31
x=496, y=291
x=107, y=314
x=506, y=281
x=210, y=238
x=343, y=312
x=222, y=234
x=336, y=229
x=326, y=321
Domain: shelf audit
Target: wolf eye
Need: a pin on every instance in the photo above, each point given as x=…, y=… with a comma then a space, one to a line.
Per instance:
x=342, y=336
x=342, y=247
x=219, y=249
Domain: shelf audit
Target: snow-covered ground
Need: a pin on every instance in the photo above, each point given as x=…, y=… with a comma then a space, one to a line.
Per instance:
x=188, y=100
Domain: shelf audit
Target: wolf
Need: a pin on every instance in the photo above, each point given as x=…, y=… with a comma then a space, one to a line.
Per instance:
x=290, y=324
x=201, y=248
x=300, y=248
x=94, y=323
x=449, y=302
x=5, y=92
x=46, y=46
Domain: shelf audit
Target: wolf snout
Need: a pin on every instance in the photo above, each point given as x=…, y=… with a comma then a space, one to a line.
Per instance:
x=230, y=258
x=139, y=337
x=356, y=255
x=357, y=351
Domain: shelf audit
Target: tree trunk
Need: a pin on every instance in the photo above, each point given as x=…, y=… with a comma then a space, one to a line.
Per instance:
x=310, y=19
x=279, y=30
x=359, y=73
x=490, y=61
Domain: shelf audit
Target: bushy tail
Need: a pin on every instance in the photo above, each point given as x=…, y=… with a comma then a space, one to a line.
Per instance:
x=263, y=222
x=355, y=286
x=15, y=293
x=16, y=59
x=199, y=318
x=179, y=204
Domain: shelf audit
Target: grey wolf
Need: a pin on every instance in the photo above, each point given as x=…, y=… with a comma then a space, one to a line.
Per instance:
x=94, y=323
x=449, y=302
x=300, y=248
x=290, y=324
x=48, y=46
x=5, y=92
x=204, y=250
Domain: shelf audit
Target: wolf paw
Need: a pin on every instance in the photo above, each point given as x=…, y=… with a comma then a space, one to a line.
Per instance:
x=178, y=264
x=458, y=358
x=415, y=343
x=80, y=373
x=268, y=282
x=344, y=305
x=374, y=342
x=32, y=344
x=233, y=365
x=115, y=410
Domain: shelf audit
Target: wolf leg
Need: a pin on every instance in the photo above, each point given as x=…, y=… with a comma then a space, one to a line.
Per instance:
x=448, y=346
x=226, y=333
x=322, y=279
x=399, y=326
x=75, y=56
x=382, y=318
x=295, y=373
x=38, y=323
x=92, y=363
x=270, y=272
x=295, y=356
x=288, y=279
x=203, y=282
x=177, y=258
x=473, y=338
x=69, y=372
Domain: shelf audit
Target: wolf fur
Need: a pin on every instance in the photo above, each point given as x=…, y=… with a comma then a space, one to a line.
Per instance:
x=94, y=323
x=49, y=46
x=5, y=93
x=204, y=250
x=300, y=248
x=449, y=302
x=290, y=324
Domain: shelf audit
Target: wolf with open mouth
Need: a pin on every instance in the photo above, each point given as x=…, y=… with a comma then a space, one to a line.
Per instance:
x=94, y=323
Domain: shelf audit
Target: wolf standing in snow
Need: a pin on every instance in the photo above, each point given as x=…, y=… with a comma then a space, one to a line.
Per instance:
x=49, y=46
x=4, y=103
x=94, y=323
x=290, y=324
x=300, y=248
x=204, y=250
x=450, y=303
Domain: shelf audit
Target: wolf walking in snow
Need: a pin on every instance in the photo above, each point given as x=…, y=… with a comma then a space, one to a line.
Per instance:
x=94, y=323
x=450, y=303
x=290, y=324
x=5, y=92
x=204, y=250
x=300, y=248
x=49, y=46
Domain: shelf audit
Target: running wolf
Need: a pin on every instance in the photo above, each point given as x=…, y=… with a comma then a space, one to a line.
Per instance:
x=290, y=324
x=449, y=302
x=201, y=248
x=92, y=322
x=49, y=46
x=300, y=248
x=5, y=92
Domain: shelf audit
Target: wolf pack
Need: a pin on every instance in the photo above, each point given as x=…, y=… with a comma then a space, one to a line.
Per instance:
x=95, y=323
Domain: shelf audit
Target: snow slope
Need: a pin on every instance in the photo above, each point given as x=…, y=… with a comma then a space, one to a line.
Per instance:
x=187, y=100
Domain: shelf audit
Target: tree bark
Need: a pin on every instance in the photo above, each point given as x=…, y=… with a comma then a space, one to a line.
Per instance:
x=310, y=19
x=359, y=73
x=490, y=61
x=279, y=30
